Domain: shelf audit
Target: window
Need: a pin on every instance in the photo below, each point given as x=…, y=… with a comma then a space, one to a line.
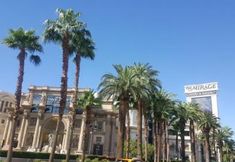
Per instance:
x=53, y=104
x=36, y=102
x=32, y=121
x=99, y=125
x=2, y=103
x=6, y=105
x=29, y=139
x=75, y=141
x=77, y=123
x=98, y=140
x=18, y=123
x=186, y=133
x=2, y=121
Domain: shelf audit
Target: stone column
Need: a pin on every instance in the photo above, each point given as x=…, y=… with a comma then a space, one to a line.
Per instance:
x=6, y=130
x=35, y=136
x=37, y=132
x=39, y=135
x=25, y=131
x=67, y=133
x=82, y=129
x=23, y=127
x=38, y=127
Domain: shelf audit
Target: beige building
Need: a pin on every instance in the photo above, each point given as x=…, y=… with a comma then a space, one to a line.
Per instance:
x=37, y=123
x=6, y=100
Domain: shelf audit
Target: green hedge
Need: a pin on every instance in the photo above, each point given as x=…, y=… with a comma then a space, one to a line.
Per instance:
x=36, y=155
x=100, y=157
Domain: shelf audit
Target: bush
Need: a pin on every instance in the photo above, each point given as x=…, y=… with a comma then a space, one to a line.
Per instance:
x=35, y=155
x=96, y=160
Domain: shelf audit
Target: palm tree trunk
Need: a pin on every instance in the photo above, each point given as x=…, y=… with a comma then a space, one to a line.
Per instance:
x=167, y=142
x=163, y=141
x=63, y=92
x=17, y=105
x=145, y=137
x=221, y=152
x=207, y=146
x=155, y=139
x=182, y=151
x=77, y=72
x=139, y=130
x=214, y=144
x=193, y=143
x=128, y=135
x=122, y=124
x=177, y=145
x=159, y=141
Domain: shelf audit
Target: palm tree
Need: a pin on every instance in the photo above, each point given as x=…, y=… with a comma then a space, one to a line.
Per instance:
x=175, y=130
x=182, y=115
x=120, y=88
x=228, y=151
x=162, y=105
x=147, y=115
x=194, y=115
x=87, y=102
x=83, y=46
x=206, y=123
x=146, y=81
x=62, y=31
x=223, y=135
x=25, y=41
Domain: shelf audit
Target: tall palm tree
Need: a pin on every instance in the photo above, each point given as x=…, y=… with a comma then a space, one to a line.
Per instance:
x=120, y=88
x=228, y=150
x=62, y=31
x=83, y=46
x=206, y=123
x=146, y=81
x=26, y=42
x=162, y=105
x=194, y=115
x=87, y=101
x=175, y=130
x=223, y=135
x=182, y=115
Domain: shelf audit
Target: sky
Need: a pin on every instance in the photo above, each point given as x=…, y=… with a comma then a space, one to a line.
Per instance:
x=188, y=42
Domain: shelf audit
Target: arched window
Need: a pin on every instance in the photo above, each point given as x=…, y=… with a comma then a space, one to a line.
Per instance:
x=1, y=107
x=5, y=108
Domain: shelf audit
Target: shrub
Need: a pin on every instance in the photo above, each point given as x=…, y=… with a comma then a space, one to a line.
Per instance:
x=35, y=155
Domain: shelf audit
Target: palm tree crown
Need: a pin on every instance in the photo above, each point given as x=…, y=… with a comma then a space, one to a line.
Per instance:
x=24, y=41
x=63, y=27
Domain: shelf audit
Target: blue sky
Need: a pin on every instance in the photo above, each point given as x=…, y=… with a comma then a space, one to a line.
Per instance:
x=187, y=41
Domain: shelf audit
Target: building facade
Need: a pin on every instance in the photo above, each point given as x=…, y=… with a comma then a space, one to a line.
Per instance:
x=38, y=118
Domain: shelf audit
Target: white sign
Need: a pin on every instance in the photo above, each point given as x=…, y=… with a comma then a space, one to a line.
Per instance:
x=201, y=87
